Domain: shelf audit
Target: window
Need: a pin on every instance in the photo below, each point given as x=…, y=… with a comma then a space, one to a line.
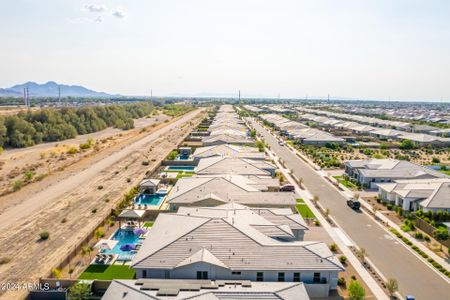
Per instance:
x=259, y=276
x=202, y=275
x=281, y=276
x=235, y=273
x=296, y=277
x=144, y=273
x=167, y=274
x=316, y=278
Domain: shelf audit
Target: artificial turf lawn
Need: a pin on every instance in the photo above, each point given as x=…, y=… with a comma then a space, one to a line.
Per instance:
x=108, y=272
x=303, y=209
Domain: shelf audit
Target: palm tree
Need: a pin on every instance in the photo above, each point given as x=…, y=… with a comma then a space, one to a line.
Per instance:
x=356, y=196
x=86, y=250
x=392, y=286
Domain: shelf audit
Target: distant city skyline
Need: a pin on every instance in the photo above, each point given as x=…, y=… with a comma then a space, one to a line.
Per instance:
x=372, y=50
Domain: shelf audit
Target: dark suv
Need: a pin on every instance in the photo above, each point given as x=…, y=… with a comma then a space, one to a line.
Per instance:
x=353, y=203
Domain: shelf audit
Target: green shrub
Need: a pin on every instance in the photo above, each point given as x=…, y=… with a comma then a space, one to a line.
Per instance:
x=389, y=206
x=44, y=235
x=343, y=259
x=333, y=247
x=426, y=238
x=145, y=162
x=72, y=151
x=341, y=282
x=418, y=235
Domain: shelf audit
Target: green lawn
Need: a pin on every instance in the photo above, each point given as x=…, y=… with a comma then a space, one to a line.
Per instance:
x=148, y=224
x=303, y=209
x=108, y=272
x=447, y=172
x=345, y=182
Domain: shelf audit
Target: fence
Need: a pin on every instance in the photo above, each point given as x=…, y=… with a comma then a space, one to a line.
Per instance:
x=428, y=229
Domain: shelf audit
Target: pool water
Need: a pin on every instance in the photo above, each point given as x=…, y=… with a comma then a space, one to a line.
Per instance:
x=124, y=237
x=150, y=199
x=180, y=168
x=183, y=157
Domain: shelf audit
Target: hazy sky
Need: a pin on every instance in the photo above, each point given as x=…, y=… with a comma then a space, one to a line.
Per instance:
x=359, y=49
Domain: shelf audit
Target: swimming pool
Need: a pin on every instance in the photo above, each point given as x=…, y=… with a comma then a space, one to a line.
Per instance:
x=182, y=157
x=123, y=236
x=150, y=199
x=180, y=168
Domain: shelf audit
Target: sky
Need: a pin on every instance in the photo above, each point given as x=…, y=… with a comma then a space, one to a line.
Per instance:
x=361, y=49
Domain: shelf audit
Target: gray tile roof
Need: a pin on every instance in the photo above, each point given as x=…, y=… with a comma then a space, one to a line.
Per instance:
x=233, y=240
x=181, y=289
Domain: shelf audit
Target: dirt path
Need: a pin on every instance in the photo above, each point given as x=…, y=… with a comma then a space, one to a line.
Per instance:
x=65, y=208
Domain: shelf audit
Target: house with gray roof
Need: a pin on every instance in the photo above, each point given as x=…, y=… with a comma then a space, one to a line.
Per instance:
x=217, y=190
x=241, y=245
x=182, y=289
x=425, y=194
x=228, y=150
x=369, y=173
x=234, y=166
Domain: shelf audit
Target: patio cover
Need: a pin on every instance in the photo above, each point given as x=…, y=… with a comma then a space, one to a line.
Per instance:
x=132, y=213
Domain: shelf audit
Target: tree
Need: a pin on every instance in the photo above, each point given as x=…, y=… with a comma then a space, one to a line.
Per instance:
x=80, y=291
x=362, y=253
x=356, y=291
x=441, y=234
x=407, y=145
x=86, y=250
x=392, y=286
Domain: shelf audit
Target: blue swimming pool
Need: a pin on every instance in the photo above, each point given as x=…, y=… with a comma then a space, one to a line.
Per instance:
x=123, y=236
x=182, y=157
x=150, y=199
x=180, y=168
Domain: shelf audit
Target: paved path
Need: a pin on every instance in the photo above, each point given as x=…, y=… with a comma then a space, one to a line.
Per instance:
x=39, y=200
x=390, y=257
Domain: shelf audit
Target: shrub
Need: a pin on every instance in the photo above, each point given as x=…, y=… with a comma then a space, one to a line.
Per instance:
x=418, y=235
x=333, y=247
x=145, y=162
x=72, y=151
x=435, y=160
x=441, y=234
x=4, y=260
x=317, y=223
x=426, y=238
x=17, y=185
x=94, y=210
x=341, y=281
x=343, y=259
x=356, y=291
x=44, y=235
x=100, y=187
x=389, y=206
x=128, y=179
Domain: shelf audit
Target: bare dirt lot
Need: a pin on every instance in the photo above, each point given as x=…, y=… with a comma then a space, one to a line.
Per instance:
x=72, y=202
x=19, y=167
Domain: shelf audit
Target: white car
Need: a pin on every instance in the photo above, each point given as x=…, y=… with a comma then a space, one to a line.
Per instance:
x=281, y=143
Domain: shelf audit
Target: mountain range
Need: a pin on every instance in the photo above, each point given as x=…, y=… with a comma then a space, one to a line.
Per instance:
x=50, y=89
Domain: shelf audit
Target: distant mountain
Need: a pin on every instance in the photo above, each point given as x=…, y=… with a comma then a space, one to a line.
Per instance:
x=50, y=89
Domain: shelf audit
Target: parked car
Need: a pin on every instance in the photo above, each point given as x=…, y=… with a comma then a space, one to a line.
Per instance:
x=287, y=188
x=281, y=143
x=409, y=297
x=354, y=203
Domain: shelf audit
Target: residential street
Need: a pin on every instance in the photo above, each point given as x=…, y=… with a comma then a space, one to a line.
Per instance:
x=389, y=256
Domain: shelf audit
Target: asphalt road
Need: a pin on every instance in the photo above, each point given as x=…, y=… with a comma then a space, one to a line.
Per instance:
x=389, y=256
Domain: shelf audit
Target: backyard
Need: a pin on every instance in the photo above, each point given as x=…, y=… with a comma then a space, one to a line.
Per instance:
x=108, y=272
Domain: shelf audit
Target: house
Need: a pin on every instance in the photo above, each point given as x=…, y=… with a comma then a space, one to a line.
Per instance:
x=235, y=246
x=282, y=223
x=213, y=191
x=425, y=194
x=369, y=173
x=226, y=139
x=235, y=166
x=229, y=151
x=182, y=289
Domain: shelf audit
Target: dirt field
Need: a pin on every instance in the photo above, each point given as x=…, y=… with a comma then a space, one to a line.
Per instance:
x=43, y=159
x=65, y=206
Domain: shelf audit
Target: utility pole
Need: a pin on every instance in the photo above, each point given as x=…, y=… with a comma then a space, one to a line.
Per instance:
x=25, y=96
x=59, y=96
x=239, y=96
